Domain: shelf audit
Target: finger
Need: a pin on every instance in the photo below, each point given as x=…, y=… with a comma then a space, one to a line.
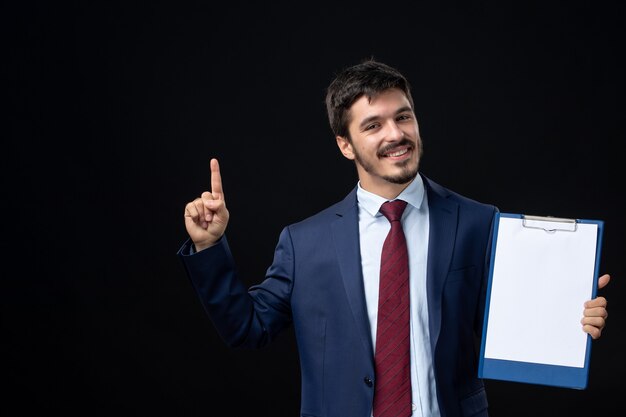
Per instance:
x=212, y=206
x=206, y=198
x=594, y=321
x=603, y=280
x=216, y=180
x=597, y=302
x=191, y=211
x=596, y=312
x=594, y=327
x=598, y=322
x=201, y=206
x=594, y=332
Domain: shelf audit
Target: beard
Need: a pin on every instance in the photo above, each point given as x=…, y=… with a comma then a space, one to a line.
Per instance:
x=408, y=172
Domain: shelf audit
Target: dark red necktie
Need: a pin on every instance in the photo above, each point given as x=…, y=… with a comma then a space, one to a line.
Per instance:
x=392, y=396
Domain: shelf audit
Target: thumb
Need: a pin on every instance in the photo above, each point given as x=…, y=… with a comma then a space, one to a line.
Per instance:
x=603, y=281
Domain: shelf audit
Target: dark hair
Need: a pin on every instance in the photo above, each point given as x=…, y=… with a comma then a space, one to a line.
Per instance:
x=369, y=78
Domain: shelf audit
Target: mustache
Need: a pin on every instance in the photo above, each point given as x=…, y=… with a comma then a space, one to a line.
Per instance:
x=382, y=151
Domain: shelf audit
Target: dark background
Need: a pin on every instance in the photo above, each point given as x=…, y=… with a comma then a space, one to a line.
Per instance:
x=117, y=107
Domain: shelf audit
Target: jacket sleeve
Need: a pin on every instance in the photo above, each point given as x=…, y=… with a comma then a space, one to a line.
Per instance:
x=243, y=317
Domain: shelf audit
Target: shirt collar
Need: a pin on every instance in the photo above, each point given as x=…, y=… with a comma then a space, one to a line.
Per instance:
x=413, y=194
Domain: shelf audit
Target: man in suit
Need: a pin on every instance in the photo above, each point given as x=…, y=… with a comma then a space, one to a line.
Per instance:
x=324, y=278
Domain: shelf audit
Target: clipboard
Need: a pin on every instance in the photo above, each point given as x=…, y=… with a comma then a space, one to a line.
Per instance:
x=542, y=271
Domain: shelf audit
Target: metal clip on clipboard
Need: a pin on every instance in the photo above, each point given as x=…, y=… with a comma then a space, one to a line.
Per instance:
x=549, y=224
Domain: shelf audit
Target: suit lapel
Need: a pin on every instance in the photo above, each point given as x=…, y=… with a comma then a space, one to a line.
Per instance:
x=345, y=231
x=443, y=215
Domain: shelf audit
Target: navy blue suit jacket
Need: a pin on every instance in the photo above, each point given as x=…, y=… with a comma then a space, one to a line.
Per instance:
x=315, y=283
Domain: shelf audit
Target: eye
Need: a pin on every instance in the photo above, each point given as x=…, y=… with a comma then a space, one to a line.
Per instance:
x=404, y=117
x=371, y=126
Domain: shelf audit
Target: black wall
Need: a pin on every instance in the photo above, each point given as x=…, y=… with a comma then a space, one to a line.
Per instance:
x=117, y=107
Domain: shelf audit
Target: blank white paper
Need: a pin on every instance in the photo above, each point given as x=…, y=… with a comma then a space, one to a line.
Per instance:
x=539, y=285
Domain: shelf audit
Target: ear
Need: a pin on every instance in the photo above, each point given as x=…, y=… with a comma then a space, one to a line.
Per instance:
x=345, y=147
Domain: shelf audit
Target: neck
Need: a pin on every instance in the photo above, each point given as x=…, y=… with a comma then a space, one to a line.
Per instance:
x=384, y=188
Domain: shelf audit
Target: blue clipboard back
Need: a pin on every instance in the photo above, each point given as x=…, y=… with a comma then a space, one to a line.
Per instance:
x=523, y=371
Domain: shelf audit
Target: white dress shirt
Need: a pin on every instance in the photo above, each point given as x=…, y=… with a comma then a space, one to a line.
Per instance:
x=373, y=229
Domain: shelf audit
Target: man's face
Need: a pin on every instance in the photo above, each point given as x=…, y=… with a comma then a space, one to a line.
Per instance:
x=385, y=141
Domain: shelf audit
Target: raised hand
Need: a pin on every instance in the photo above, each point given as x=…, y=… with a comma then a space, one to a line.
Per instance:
x=206, y=217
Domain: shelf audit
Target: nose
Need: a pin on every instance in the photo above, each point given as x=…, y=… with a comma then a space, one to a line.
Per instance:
x=394, y=133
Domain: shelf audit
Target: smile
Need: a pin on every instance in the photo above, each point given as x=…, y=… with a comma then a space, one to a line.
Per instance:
x=398, y=153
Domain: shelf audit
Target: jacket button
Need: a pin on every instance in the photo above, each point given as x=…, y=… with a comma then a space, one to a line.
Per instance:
x=368, y=381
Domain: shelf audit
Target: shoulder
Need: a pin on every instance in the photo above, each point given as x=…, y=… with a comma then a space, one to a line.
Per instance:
x=437, y=193
x=345, y=207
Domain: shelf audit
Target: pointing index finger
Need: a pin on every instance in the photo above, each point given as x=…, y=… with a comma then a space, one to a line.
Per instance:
x=216, y=180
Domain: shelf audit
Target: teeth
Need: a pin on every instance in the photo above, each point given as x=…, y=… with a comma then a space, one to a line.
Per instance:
x=398, y=153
